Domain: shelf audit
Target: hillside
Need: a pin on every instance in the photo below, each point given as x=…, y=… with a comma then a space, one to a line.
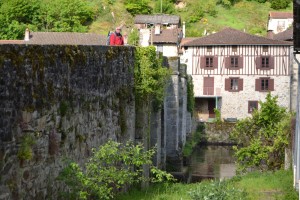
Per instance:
x=101, y=16
x=250, y=16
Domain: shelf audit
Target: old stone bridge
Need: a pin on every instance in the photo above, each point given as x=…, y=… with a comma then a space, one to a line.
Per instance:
x=59, y=102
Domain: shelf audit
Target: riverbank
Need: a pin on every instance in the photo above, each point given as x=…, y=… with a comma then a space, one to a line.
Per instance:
x=253, y=186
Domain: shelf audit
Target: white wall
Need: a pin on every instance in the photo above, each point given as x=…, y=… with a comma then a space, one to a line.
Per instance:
x=273, y=24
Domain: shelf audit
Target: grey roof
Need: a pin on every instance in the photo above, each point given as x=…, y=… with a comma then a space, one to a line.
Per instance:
x=66, y=38
x=286, y=35
x=157, y=19
x=229, y=36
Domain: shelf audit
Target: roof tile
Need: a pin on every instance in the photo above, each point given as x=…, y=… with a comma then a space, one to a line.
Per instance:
x=229, y=36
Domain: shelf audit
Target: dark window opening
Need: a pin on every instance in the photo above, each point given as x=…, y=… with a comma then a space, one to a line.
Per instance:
x=234, y=84
x=264, y=84
x=234, y=62
x=209, y=62
x=252, y=105
x=265, y=62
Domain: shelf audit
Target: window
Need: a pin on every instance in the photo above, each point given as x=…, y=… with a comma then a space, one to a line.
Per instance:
x=264, y=84
x=159, y=48
x=252, y=105
x=209, y=49
x=265, y=48
x=234, y=48
x=209, y=62
x=233, y=84
x=265, y=62
x=234, y=62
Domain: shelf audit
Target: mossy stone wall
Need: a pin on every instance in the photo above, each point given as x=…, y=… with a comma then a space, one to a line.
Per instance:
x=57, y=103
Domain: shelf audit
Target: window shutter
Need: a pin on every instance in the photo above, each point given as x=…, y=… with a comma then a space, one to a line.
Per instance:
x=241, y=84
x=202, y=62
x=215, y=61
x=227, y=62
x=258, y=62
x=257, y=85
x=271, y=84
x=227, y=84
x=241, y=60
x=271, y=62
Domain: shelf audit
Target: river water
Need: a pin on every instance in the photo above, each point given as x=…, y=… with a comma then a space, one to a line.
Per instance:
x=211, y=162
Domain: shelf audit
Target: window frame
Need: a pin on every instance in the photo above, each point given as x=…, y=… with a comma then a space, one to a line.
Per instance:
x=209, y=62
x=250, y=108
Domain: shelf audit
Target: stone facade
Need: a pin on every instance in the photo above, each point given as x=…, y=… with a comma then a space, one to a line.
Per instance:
x=57, y=103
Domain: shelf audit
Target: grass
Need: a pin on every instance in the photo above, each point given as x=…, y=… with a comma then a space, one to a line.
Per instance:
x=258, y=186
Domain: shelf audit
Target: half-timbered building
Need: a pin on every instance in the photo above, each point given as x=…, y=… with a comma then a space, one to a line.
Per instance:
x=232, y=71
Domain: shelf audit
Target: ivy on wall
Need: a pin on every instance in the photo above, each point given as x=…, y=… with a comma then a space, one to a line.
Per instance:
x=149, y=75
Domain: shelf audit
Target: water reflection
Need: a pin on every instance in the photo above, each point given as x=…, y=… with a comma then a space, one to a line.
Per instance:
x=211, y=162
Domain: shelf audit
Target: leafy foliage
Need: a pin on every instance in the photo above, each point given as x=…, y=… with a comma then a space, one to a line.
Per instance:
x=110, y=168
x=25, y=152
x=149, y=75
x=167, y=7
x=263, y=137
x=217, y=191
x=280, y=4
x=43, y=15
x=135, y=7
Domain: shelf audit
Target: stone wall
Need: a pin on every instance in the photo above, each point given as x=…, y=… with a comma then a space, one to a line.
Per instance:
x=218, y=133
x=57, y=103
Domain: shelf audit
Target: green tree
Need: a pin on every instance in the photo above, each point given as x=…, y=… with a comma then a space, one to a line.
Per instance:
x=65, y=15
x=280, y=4
x=111, y=167
x=15, y=16
x=166, y=7
x=263, y=137
x=135, y=7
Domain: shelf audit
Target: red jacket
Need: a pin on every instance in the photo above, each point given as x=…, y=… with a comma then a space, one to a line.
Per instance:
x=116, y=40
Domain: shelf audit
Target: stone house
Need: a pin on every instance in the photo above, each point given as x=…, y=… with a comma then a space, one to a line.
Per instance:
x=162, y=31
x=279, y=21
x=232, y=71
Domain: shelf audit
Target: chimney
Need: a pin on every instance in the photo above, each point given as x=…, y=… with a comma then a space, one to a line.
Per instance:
x=183, y=29
x=27, y=33
x=270, y=34
x=157, y=29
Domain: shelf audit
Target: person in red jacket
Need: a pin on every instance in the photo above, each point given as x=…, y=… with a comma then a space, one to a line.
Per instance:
x=116, y=38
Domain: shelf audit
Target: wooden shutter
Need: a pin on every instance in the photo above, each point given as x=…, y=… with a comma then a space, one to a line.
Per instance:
x=208, y=86
x=227, y=84
x=258, y=62
x=271, y=84
x=241, y=60
x=271, y=62
x=227, y=62
x=215, y=61
x=240, y=84
x=257, y=85
x=202, y=62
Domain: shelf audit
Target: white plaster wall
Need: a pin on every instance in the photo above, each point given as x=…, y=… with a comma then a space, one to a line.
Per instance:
x=273, y=23
x=170, y=50
x=144, y=37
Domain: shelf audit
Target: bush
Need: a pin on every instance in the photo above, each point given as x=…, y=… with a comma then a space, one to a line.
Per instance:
x=109, y=170
x=279, y=4
x=263, y=137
